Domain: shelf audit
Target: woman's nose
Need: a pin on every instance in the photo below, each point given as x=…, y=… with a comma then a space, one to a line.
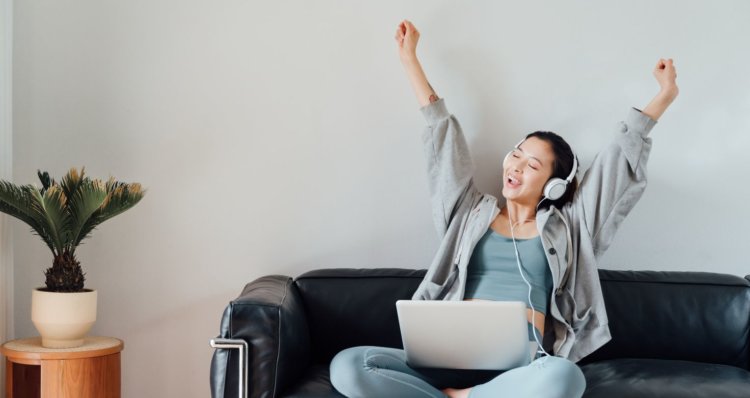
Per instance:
x=514, y=164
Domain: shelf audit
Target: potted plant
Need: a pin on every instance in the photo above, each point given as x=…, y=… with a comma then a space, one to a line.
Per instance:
x=64, y=214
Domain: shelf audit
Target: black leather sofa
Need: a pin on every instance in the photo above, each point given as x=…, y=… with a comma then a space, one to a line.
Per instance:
x=674, y=334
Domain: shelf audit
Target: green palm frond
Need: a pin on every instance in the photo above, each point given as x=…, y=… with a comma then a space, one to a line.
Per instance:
x=64, y=213
x=50, y=208
x=71, y=181
x=17, y=201
x=45, y=179
x=88, y=198
x=119, y=198
x=84, y=197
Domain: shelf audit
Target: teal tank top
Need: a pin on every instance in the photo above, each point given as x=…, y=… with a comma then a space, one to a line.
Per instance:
x=492, y=273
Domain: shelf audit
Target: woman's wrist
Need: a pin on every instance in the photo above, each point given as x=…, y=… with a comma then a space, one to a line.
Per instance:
x=660, y=102
x=668, y=92
x=409, y=59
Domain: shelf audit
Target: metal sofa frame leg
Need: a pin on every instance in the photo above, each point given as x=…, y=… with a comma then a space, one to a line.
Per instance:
x=241, y=345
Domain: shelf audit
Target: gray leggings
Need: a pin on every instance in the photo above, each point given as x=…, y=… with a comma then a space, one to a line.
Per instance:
x=373, y=372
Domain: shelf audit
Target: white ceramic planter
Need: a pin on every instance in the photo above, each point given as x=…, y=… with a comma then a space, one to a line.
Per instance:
x=63, y=319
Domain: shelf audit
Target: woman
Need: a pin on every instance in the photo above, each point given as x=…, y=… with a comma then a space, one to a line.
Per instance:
x=553, y=230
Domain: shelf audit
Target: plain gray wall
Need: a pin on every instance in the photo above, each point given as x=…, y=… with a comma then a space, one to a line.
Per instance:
x=279, y=137
x=6, y=173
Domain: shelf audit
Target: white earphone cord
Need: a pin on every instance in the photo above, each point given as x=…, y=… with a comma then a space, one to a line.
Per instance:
x=520, y=270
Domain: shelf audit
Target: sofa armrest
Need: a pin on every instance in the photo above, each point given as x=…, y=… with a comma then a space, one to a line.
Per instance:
x=270, y=317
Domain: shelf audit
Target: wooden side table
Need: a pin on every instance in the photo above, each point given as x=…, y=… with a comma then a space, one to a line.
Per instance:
x=89, y=371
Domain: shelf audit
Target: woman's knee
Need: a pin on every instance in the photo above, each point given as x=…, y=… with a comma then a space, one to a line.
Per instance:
x=347, y=357
x=345, y=368
x=367, y=357
x=563, y=375
x=351, y=369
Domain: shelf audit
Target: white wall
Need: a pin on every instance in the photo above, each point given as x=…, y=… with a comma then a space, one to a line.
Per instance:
x=6, y=173
x=279, y=137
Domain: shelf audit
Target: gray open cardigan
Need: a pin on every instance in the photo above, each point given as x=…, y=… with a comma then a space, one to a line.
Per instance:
x=607, y=192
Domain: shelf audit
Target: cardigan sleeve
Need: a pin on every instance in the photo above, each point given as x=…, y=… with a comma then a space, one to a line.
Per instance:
x=616, y=180
x=450, y=168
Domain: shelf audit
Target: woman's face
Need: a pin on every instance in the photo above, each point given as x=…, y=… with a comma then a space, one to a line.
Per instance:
x=526, y=169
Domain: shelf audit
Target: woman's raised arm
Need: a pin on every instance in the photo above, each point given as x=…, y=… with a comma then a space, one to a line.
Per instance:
x=666, y=75
x=406, y=37
x=450, y=168
x=617, y=178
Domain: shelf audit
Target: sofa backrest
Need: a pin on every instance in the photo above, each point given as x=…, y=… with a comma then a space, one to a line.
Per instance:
x=695, y=316
x=350, y=307
x=692, y=316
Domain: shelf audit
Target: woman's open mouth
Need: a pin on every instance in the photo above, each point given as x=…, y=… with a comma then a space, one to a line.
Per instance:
x=512, y=182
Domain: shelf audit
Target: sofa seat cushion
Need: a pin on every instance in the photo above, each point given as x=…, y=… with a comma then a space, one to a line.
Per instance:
x=615, y=378
x=315, y=383
x=630, y=377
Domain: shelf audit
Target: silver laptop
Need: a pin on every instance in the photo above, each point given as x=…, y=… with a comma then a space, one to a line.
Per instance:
x=490, y=335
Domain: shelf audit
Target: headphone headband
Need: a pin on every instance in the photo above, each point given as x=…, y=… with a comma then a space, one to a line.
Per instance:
x=574, y=169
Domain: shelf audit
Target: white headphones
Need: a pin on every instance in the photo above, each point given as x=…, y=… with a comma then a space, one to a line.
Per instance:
x=555, y=188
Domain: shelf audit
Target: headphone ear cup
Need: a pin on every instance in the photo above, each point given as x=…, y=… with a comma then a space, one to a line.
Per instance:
x=555, y=188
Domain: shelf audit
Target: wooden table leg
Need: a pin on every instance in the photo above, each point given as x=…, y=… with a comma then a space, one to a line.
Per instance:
x=97, y=377
x=8, y=378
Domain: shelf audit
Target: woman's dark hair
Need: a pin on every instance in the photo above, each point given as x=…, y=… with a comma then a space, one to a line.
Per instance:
x=561, y=166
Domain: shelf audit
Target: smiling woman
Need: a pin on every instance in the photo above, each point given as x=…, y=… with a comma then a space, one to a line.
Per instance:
x=549, y=164
x=543, y=257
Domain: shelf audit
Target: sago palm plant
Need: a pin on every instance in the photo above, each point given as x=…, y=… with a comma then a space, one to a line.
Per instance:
x=64, y=214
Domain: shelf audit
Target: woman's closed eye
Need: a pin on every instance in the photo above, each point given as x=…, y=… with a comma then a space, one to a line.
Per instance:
x=534, y=167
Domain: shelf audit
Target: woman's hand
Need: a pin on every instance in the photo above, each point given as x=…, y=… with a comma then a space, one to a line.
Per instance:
x=406, y=37
x=665, y=74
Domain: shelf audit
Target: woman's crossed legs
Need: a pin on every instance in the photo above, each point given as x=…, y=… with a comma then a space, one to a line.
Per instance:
x=373, y=372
